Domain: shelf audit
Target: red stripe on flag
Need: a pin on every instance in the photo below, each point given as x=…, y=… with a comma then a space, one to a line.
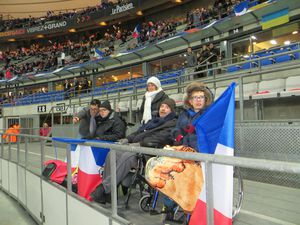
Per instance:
x=199, y=216
x=87, y=183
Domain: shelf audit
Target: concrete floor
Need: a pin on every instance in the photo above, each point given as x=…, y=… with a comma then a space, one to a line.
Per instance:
x=11, y=213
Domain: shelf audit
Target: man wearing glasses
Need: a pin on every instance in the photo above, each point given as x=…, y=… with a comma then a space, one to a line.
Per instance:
x=88, y=117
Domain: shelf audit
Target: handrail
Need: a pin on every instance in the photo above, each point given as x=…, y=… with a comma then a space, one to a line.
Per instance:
x=274, y=165
x=208, y=159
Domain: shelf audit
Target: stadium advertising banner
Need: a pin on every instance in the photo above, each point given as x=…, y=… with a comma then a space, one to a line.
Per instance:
x=122, y=8
x=47, y=26
x=12, y=33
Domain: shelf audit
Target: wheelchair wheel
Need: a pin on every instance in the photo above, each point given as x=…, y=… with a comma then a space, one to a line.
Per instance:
x=145, y=203
x=239, y=193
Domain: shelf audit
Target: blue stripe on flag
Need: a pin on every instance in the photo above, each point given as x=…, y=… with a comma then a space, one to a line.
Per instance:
x=275, y=15
x=216, y=124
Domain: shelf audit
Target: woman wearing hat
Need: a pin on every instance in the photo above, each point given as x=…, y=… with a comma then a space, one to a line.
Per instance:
x=152, y=99
x=197, y=98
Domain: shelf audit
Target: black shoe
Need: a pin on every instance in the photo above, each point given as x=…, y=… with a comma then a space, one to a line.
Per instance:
x=169, y=216
x=98, y=195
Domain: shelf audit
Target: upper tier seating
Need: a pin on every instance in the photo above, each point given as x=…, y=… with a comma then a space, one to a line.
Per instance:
x=267, y=57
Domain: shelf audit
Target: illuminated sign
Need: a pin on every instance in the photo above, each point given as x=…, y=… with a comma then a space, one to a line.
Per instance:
x=122, y=8
x=12, y=33
x=47, y=26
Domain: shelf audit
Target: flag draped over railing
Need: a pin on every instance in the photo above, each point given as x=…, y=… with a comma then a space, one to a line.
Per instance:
x=215, y=132
x=88, y=160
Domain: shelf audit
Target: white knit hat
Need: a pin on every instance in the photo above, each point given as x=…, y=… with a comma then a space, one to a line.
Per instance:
x=154, y=81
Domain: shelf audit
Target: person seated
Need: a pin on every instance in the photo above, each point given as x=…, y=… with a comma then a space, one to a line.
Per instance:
x=88, y=118
x=110, y=126
x=155, y=133
x=152, y=99
x=197, y=98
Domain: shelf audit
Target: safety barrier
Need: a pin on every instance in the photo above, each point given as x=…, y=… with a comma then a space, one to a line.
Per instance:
x=48, y=203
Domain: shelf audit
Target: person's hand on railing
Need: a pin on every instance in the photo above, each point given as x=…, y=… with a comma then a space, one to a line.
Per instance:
x=122, y=141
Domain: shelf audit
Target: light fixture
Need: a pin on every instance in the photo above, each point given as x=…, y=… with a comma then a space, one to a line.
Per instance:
x=11, y=40
x=139, y=13
x=253, y=37
x=103, y=23
x=40, y=36
x=178, y=1
x=295, y=32
x=254, y=42
x=273, y=42
x=72, y=30
x=287, y=42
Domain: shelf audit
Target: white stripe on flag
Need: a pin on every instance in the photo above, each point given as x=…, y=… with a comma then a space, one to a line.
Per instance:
x=222, y=183
x=75, y=157
x=87, y=161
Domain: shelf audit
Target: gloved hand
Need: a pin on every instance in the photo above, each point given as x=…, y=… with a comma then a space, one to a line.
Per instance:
x=123, y=141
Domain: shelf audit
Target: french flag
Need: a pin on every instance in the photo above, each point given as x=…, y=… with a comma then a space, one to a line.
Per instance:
x=136, y=31
x=215, y=131
x=89, y=161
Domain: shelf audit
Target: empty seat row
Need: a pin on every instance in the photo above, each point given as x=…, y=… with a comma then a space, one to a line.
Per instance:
x=267, y=89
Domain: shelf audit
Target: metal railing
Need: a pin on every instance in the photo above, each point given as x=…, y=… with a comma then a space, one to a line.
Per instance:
x=208, y=159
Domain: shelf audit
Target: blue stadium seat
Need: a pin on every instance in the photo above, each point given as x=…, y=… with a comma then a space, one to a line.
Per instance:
x=267, y=61
x=233, y=68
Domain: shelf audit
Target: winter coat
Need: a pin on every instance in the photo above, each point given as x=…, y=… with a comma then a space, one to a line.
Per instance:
x=158, y=136
x=155, y=104
x=111, y=128
x=84, y=126
x=184, y=132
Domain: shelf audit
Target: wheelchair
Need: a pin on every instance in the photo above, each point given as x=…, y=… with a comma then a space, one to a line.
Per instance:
x=137, y=178
x=149, y=196
x=148, y=202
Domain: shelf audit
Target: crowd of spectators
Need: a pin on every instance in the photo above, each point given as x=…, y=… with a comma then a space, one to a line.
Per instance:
x=72, y=50
x=82, y=15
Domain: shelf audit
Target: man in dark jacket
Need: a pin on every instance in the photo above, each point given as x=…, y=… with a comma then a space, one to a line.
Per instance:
x=155, y=133
x=88, y=118
x=110, y=127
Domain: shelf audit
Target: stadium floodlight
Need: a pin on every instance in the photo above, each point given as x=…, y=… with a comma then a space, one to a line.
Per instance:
x=273, y=42
x=287, y=42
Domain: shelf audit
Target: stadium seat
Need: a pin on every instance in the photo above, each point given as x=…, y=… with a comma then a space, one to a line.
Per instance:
x=219, y=92
x=269, y=89
x=178, y=98
x=233, y=68
x=248, y=89
x=138, y=105
x=292, y=87
x=122, y=106
x=267, y=61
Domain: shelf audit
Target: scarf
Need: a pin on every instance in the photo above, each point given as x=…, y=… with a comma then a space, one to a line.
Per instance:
x=149, y=96
x=156, y=122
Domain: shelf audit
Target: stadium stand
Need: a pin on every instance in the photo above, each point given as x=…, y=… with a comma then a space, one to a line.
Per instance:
x=263, y=61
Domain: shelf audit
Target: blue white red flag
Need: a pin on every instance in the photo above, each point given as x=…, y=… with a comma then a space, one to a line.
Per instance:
x=136, y=31
x=215, y=132
x=89, y=161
